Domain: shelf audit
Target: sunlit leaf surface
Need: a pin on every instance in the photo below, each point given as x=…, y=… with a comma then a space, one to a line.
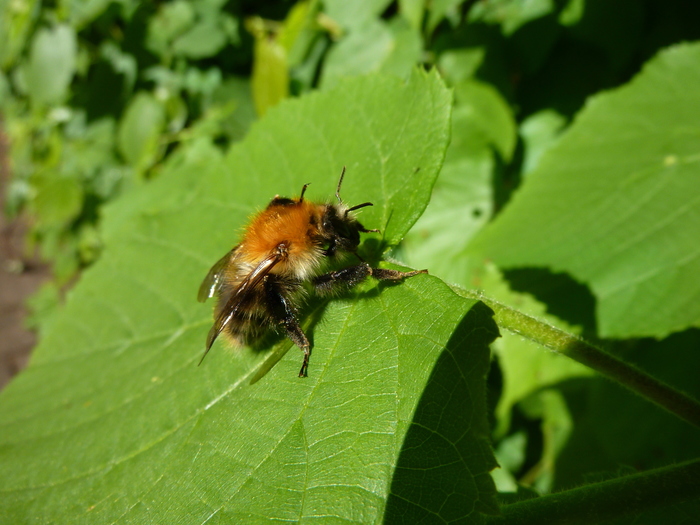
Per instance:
x=615, y=203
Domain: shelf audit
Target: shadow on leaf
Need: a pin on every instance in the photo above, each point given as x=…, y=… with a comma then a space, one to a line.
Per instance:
x=442, y=474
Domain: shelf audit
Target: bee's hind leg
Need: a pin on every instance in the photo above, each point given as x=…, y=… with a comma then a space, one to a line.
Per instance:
x=284, y=314
x=303, y=372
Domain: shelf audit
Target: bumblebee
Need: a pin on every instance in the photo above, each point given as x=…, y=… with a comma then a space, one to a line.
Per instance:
x=260, y=282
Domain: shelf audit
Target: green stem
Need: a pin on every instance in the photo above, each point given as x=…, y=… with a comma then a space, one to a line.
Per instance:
x=616, y=498
x=586, y=353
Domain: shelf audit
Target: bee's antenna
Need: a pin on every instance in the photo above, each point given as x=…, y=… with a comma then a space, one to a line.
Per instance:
x=303, y=190
x=363, y=205
x=340, y=182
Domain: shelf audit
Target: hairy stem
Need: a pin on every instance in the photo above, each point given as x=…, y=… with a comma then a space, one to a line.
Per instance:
x=588, y=354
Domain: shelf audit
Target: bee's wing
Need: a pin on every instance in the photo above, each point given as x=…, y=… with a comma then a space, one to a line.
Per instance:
x=252, y=280
x=212, y=282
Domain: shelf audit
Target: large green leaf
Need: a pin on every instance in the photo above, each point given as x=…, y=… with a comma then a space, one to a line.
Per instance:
x=615, y=202
x=114, y=422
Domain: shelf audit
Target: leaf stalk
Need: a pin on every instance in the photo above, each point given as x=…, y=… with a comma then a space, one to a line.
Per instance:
x=586, y=353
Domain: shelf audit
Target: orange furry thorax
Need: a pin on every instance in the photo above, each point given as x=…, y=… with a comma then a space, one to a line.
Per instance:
x=297, y=225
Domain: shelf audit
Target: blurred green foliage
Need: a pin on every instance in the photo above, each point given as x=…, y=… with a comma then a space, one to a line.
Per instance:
x=95, y=96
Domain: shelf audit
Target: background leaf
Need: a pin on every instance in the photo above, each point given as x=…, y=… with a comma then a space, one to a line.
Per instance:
x=270, y=78
x=512, y=15
x=377, y=46
x=140, y=129
x=206, y=38
x=351, y=15
x=58, y=199
x=51, y=64
x=623, y=183
x=15, y=23
x=83, y=11
x=113, y=422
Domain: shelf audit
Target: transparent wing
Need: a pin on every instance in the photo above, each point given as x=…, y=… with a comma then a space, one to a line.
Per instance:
x=239, y=296
x=212, y=282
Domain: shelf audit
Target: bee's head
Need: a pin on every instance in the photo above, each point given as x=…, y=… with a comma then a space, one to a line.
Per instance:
x=339, y=227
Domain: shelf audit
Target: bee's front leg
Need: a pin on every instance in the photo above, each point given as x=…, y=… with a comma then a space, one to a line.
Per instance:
x=346, y=278
x=283, y=312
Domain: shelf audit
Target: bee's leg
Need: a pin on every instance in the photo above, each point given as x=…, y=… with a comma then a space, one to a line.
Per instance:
x=393, y=275
x=346, y=278
x=284, y=314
